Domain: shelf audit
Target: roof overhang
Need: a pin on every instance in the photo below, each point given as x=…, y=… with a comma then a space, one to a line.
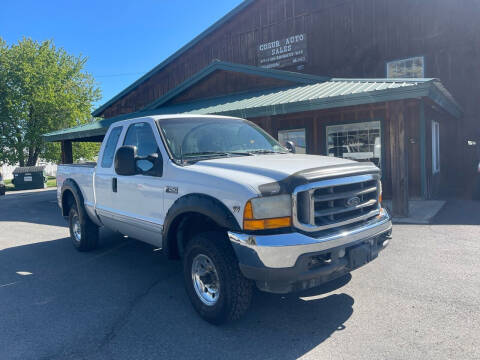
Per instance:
x=335, y=93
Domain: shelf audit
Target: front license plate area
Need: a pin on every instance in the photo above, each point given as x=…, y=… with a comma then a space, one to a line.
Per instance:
x=360, y=255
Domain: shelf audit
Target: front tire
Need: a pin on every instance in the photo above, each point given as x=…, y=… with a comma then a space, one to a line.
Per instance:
x=83, y=232
x=217, y=289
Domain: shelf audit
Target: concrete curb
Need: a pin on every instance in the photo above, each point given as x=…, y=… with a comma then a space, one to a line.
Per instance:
x=13, y=194
x=422, y=212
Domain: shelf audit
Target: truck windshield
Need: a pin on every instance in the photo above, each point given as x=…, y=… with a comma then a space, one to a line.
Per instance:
x=196, y=138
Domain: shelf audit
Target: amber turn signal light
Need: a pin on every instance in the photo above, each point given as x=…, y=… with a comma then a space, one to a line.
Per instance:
x=266, y=224
x=249, y=223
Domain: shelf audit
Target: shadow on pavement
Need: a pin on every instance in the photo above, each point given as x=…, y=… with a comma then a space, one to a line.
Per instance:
x=459, y=212
x=126, y=301
x=34, y=207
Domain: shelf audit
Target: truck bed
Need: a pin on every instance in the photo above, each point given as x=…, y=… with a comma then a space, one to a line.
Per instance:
x=83, y=174
x=85, y=164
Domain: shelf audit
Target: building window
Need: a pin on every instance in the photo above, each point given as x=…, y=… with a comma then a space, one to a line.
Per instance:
x=407, y=68
x=356, y=141
x=435, y=147
x=297, y=136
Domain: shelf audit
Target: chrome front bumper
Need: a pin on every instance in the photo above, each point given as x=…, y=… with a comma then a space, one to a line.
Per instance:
x=283, y=250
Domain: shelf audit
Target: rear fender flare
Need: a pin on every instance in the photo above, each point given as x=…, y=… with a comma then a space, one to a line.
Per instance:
x=70, y=186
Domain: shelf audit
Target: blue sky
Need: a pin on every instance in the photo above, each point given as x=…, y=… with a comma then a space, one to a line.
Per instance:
x=122, y=39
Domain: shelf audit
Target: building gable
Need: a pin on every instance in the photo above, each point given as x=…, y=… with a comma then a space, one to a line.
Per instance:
x=223, y=78
x=223, y=82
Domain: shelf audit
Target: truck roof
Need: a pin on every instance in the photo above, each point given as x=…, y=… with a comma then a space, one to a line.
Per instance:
x=182, y=116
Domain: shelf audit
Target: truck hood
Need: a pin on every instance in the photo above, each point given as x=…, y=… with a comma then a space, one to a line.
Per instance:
x=258, y=170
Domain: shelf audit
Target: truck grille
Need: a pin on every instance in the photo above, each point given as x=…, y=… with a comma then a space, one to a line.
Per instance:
x=336, y=202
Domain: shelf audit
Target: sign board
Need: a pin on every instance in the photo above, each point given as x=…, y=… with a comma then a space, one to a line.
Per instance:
x=27, y=178
x=283, y=52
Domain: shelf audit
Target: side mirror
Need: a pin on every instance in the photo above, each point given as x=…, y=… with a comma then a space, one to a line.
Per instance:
x=125, y=160
x=290, y=145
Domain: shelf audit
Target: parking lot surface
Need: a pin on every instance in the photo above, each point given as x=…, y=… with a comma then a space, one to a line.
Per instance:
x=419, y=300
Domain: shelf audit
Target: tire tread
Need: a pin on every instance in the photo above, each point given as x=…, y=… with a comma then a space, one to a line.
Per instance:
x=240, y=289
x=90, y=231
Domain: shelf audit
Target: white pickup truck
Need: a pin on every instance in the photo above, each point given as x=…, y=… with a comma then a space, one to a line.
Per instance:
x=237, y=207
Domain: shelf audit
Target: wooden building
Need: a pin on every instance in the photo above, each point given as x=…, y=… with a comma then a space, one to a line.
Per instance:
x=350, y=78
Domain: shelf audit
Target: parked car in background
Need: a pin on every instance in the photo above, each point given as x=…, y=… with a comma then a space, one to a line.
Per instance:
x=232, y=203
x=350, y=152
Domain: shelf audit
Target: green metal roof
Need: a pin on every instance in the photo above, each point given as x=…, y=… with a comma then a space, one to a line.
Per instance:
x=326, y=95
x=174, y=56
x=90, y=130
x=334, y=93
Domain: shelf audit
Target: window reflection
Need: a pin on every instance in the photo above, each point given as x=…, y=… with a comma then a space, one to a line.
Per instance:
x=297, y=136
x=358, y=141
x=406, y=68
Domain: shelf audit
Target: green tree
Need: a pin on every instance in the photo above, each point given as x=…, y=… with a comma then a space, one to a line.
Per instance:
x=42, y=89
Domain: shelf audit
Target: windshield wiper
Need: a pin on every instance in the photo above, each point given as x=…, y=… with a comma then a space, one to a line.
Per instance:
x=206, y=153
x=241, y=153
x=218, y=153
x=265, y=151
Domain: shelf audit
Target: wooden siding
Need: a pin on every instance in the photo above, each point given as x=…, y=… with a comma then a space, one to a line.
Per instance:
x=345, y=38
x=351, y=38
x=223, y=82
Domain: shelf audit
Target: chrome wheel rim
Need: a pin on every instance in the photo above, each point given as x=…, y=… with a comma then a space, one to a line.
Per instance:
x=205, y=279
x=76, y=228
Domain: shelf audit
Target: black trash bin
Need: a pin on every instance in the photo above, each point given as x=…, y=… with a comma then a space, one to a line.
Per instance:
x=31, y=177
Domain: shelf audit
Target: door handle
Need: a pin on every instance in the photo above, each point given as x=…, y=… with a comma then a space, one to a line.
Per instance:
x=114, y=184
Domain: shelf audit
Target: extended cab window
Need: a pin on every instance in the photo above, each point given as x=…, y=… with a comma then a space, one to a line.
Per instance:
x=110, y=147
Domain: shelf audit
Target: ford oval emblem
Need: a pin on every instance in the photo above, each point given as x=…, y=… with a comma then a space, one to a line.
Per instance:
x=353, y=201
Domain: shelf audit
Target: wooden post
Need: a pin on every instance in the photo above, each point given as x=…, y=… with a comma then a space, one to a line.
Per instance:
x=67, y=154
x=399, y=158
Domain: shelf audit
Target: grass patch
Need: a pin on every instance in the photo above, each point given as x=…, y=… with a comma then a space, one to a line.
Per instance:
x=8, y=185
x=51, y=181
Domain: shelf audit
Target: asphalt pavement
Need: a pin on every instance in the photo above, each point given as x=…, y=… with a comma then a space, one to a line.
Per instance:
x=419, y=300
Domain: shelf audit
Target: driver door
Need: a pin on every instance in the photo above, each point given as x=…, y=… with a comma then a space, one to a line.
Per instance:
x=139, y=198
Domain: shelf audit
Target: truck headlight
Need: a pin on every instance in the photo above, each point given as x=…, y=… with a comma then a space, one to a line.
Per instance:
x=271, y=212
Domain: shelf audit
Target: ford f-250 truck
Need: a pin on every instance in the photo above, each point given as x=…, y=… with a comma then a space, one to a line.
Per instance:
x=237, y=207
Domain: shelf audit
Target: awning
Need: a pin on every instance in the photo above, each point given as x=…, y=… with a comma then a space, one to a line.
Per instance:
x=334, y=93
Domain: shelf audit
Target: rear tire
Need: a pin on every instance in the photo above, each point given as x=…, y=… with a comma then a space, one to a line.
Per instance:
x=217, y=289
x=83, y=232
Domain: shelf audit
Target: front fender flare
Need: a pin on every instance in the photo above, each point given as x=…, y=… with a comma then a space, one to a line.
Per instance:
x=201, y=204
